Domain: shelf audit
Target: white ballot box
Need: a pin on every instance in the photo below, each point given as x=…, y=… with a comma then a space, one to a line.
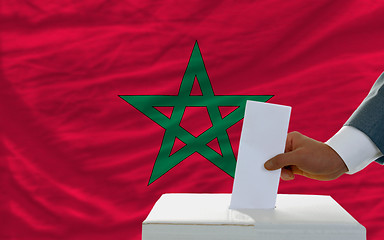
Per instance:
x=208, y=217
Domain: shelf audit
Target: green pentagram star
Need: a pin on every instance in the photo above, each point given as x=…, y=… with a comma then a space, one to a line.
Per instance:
x=146, y=104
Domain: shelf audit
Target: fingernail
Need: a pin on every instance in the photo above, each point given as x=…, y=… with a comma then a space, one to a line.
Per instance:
x=268, y=165
x=286, y=176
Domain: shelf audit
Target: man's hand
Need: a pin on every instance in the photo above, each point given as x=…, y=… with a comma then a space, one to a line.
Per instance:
x=307, y=157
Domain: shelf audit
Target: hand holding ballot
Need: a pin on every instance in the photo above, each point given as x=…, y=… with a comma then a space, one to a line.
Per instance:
x=307, y=157
x=358, y=143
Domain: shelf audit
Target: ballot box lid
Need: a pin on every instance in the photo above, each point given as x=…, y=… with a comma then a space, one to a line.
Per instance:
x=299, y=216
x=214, y=209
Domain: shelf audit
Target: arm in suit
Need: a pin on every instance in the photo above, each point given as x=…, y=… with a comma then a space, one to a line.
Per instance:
x=369, y=116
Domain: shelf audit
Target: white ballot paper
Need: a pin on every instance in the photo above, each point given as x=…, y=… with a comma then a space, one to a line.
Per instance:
x=263, y=136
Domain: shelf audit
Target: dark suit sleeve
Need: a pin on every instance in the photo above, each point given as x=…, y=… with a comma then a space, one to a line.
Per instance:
x=369, y=116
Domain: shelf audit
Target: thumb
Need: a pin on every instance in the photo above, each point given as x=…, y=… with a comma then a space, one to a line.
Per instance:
x=280, y=161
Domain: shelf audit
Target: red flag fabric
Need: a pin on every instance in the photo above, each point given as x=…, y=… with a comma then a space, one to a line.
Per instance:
x=76, y=159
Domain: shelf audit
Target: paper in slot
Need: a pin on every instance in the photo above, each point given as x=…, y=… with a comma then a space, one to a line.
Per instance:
x=263, y=136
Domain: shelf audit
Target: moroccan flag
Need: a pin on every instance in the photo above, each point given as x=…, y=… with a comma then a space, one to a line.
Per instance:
x=106, y=105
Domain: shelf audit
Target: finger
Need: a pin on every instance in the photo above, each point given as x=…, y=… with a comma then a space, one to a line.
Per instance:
x=292, y=137
x=296, y=170
x=281, y=160
x=289, y=142
x=287, y=174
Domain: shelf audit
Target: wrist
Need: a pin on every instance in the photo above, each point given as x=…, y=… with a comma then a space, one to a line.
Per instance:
x=338, y=165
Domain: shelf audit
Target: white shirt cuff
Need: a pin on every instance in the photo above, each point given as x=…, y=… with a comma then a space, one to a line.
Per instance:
x=355, y=148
